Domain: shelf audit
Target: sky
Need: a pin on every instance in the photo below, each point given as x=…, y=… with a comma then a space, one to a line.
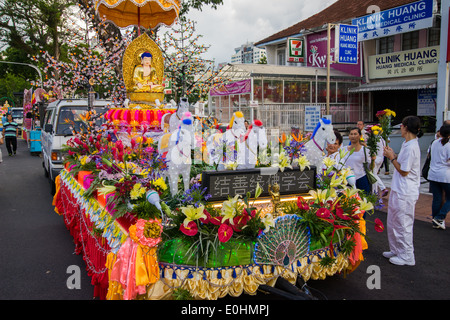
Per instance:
x=238, y=21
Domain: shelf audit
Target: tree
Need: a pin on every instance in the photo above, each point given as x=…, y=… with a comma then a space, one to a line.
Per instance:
x=191, y=75
x=27, y=27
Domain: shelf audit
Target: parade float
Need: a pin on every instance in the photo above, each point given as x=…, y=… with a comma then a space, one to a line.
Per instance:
x=162, y=205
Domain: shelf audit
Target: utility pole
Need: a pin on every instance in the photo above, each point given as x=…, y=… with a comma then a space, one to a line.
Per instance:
x=329, y=26
x=442, y=112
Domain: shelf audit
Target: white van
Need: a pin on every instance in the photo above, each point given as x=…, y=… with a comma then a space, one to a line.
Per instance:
x=56, y=131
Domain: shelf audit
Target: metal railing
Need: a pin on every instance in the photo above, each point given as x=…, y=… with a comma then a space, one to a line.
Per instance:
x=284, y=117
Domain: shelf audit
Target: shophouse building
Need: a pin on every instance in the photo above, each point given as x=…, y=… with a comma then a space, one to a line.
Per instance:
x=398, y=54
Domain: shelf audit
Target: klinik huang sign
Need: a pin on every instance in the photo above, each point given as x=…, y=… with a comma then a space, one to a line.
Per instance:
x=409, y=17
x=405, y=63
x=346, y=46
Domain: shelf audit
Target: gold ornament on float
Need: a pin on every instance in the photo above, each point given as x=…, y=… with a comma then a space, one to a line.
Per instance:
x=143, y=72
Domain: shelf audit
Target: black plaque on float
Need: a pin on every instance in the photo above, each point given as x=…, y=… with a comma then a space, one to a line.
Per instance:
x=228, y=183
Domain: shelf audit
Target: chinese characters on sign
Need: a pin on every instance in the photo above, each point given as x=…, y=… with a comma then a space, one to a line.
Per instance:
x=223, y=184
x=346, y=46
x=409, y=17
x=404, y=63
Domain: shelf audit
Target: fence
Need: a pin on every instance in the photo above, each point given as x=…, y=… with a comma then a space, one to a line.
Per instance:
x=285, y=117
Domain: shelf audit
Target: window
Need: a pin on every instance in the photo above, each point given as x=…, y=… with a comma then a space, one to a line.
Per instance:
x=281, y=57
x=257, y=90
x=434, y=35
x=292, y=91
x=48, y=116
x=410, y=40
x=386, y=45
x=322, y=92
x=273, y=91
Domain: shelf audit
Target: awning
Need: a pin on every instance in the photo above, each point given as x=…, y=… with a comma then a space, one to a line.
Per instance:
x=396, y=85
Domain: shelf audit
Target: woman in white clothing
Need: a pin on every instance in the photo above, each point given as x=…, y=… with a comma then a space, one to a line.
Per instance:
x=439, y=177
x=404, y=194
x=379, y=185
x=355, y=159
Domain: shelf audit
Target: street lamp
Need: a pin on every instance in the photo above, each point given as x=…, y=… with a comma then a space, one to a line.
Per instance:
x=26, y=64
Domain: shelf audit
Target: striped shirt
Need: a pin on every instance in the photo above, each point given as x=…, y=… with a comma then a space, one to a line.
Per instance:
x=10, y=129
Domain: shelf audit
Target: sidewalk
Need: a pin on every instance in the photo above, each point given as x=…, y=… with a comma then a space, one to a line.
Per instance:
x=423, y=205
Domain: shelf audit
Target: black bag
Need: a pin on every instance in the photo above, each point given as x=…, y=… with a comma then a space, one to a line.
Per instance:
x=426, y=167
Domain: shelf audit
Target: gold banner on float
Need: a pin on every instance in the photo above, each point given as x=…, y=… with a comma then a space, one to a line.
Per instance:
x=404, y=63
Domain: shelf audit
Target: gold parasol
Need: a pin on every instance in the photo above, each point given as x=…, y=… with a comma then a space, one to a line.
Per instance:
x=142, y=13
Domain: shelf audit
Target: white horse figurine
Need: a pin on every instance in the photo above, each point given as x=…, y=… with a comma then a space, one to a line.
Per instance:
x=179, y=157
x=232, y=139
x=175, y=118
x=256, y=137
x=315, y=147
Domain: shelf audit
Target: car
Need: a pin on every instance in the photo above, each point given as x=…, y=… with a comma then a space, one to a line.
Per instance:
x=61, y=116
x=17, y=114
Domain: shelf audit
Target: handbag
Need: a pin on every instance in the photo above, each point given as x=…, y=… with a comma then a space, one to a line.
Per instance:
x=370, y=176
x=426, y=167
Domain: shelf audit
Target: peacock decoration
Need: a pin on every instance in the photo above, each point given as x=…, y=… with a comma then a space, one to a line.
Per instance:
x=286, y=242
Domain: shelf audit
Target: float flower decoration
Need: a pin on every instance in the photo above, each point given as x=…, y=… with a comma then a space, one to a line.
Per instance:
x=127, y=171
x=373, y=138
x=385, y=117
x=333, y=213
x=203, y=227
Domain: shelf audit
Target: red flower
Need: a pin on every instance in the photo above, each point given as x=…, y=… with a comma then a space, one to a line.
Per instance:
x=379, y=227
x=225, y=232
x=215, y=220
x=207, y=219
x=380, y=113
x=190, y=230
x=240, y=221
x=302, y=204
x=323, y=213
x=340, y=213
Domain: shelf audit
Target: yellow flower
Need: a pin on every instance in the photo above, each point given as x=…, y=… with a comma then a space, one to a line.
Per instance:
x=231, y=165
x=268, y=222
x=83, y=160
x=283, y=162
x=364, y=205
x=303, y=162
x=350, y=192
x=137, y=191
x=323, y=195
x=160, y=183
x=344, y=173
x=336, y=181
x=192, y=213
x=230, y=208
x=328, y=162
x=106, y=189
x=389, y=112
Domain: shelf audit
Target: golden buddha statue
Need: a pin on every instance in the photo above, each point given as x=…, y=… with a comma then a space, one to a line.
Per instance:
x=144, y=76
x=143, y=71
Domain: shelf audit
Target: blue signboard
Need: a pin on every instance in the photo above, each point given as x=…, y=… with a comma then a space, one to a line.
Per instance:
x=409, y=17
x=346, y=44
